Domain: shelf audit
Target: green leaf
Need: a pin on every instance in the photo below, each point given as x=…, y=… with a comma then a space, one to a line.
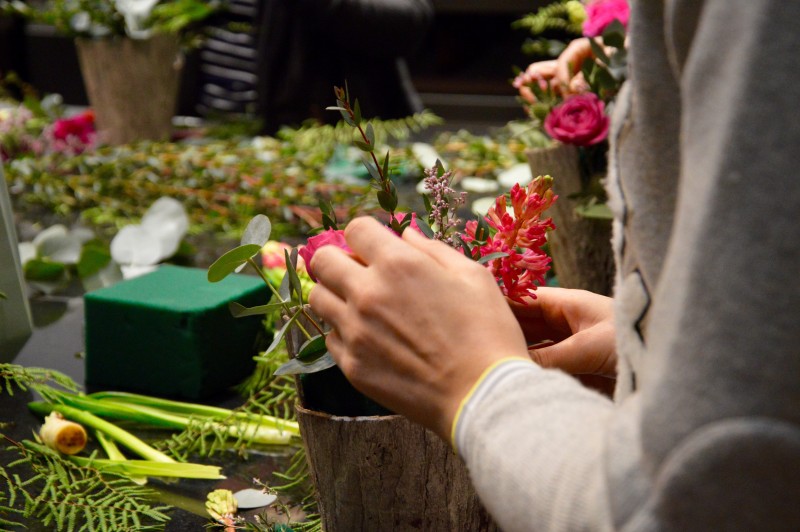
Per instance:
x=424, y=227
x=44, y=270
x=363, y=146
x=312, y=349
x=291, y=269
x=227, y=263
x=387, y=200
x=296, y=367
x=596, y=211
x=240, y=311
x=614, y=34
x=276, y=339
x=370, y=134
x=483, y=230
x=356, y=113
x=257, y=231
x=94, y=257
x=598, y=51
x=465, y=249
x=439, y=168
x=386, y=165
x=374, y=173
x=491, y=257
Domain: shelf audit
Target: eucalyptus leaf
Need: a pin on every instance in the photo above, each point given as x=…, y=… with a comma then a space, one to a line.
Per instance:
x=598, y=51
x=356, y=113
x=614, y=34
x=230, y=261
x=373, y=171
x=284, y=288
x=386, y=165
x=312, y=349
x=280, y=332
x=296, y=367
x=240, y=311
x=257, y=231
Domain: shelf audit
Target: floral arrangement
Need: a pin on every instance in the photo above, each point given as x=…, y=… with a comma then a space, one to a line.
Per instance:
x=510, y=243
x=137, y=19
x=575, y=110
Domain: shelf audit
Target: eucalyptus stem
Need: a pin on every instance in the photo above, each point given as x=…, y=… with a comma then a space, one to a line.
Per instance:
x=285, y=304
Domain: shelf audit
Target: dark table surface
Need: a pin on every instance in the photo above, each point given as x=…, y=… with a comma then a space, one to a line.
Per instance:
x=57, y=343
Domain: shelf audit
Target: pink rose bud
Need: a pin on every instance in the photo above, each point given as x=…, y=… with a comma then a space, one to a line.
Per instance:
x=330, y=237
x=580, y=120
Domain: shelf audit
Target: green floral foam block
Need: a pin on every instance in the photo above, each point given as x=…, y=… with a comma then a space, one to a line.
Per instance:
x=170, y=333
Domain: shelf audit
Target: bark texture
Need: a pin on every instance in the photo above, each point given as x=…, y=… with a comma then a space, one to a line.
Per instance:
x=580, y=247
x=132, y=86
x=387, y=473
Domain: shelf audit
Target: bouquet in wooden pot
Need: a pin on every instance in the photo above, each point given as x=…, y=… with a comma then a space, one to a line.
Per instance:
x=569, y=99
x=372, y=469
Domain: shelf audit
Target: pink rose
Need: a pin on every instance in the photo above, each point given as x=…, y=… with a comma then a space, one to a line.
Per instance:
x=580, y=120
x=331, y=237
x=601, y=13
x=80, y=126
x=400, y=216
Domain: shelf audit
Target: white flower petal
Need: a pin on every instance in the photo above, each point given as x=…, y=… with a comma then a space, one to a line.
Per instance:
x=519, y=173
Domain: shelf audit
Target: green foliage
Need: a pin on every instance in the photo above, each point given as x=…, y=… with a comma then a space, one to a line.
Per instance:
x=561, y=16
x=231, y=261
x=102, y=18
x=39, y=379
x=42, y=485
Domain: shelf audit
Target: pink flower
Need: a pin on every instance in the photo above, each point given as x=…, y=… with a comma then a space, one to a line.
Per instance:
x=520, y=237
x=80, y=126
x=579, y=120
x=400, y=216
x=331, y=237
x=601, y=13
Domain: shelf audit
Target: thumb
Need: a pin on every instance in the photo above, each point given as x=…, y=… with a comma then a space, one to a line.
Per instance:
x=577, y=354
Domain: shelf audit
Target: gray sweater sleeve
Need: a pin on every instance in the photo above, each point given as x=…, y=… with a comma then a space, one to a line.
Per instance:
x=711, y=438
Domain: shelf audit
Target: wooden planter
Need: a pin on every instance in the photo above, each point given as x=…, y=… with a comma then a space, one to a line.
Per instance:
x=383, y=472
x=132, y=85
x=580, y=247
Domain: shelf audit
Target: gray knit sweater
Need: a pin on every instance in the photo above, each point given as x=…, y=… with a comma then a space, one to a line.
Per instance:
x=704, y=431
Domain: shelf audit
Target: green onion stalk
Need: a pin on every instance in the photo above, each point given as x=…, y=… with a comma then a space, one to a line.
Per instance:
x=174, y=415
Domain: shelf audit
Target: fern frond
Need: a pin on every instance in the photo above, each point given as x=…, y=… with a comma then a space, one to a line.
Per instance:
x=307, y=137
x=38, y=379
x=555, y=16
x=72, y=498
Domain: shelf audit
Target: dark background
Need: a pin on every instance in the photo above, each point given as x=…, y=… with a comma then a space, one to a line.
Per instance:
x=462, y=72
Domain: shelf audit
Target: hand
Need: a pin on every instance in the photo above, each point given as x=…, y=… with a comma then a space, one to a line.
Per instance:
x=540, y=72
x=569, y=63
x=414, y=322
x=580, y=323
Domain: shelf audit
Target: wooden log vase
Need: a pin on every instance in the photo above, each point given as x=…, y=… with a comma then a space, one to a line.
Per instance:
x=580, y=247
x=132, y=85
x=382, y=472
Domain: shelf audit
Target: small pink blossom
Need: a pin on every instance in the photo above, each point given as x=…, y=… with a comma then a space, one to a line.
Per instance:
x=601, y=13
x=580, y=120
x=73, y=135
x=273, y=257
x=331, y=237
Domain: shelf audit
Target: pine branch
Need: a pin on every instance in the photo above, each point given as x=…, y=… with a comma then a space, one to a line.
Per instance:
x=555, y=16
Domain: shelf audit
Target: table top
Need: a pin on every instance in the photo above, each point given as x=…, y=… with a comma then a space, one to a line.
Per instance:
x=57, y=343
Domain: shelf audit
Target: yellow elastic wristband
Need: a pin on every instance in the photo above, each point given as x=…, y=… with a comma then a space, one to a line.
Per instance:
x=471, y=392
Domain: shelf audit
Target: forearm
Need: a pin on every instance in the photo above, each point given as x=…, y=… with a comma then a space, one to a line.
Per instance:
x=534, y=442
